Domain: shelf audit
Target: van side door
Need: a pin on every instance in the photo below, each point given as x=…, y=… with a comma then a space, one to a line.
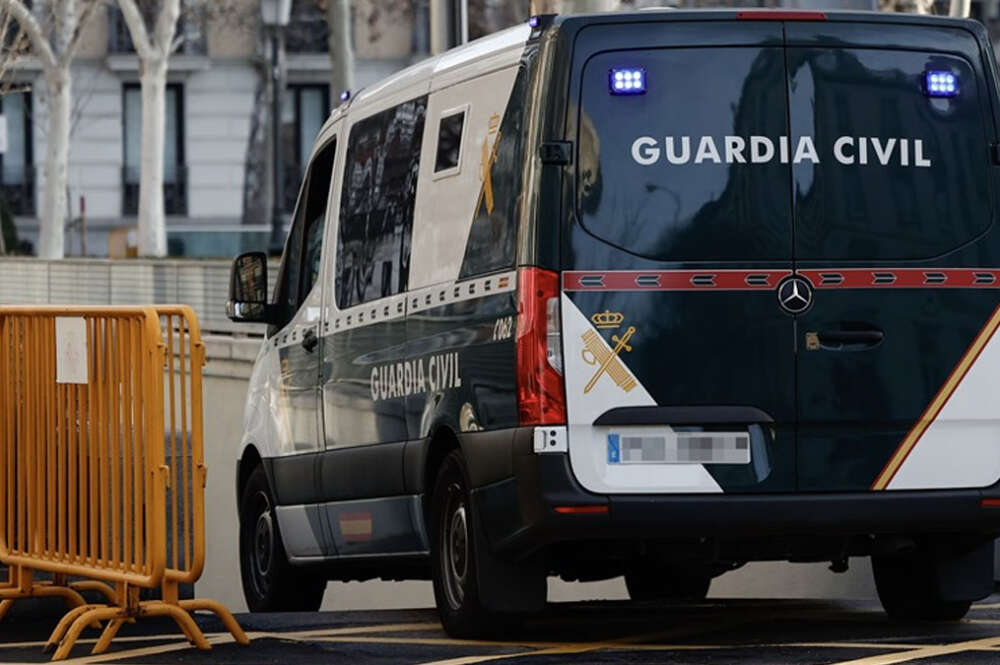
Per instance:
x=363, y=382
x=296, y=338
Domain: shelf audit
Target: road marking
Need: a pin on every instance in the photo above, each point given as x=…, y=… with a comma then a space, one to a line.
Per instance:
x=708, y=623
x=216, y=639
x=362, y=630
x=924, y=652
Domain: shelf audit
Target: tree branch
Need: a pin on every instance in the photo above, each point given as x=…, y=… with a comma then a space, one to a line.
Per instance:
x=81, y=22
x=137, y=28
x=40, y=44
x=166, y=26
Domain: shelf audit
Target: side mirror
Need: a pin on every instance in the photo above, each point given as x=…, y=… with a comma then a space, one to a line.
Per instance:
x=248, y=289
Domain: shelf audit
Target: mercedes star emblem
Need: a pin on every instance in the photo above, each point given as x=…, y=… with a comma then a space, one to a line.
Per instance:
x=795, y=295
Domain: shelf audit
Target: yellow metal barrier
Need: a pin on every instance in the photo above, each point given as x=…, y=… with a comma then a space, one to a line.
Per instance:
x=83, y=437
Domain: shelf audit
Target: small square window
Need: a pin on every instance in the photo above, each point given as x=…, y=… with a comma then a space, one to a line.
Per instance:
x=449, y=145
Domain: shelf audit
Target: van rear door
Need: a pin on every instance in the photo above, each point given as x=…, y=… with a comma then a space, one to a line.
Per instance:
x=679, y=362
x=895, y=229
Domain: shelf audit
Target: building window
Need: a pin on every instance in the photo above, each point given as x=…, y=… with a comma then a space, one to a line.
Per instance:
x=17, y=172
x=305, y=109
x=174, y=170
x=308, y=30
x=190, y=30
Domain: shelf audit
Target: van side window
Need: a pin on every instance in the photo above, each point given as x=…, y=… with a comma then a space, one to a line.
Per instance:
x=449, y=146
x=301, y=260
x=376, y=208
x=492, y=239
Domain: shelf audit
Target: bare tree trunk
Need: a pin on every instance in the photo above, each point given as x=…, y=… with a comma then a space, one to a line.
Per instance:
x=152, y=216
x=51, y=241
x=154, y=49
x=960, y=8
x=338, y=16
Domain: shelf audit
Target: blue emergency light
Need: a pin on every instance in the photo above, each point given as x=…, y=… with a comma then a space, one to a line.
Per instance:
x=628, y=81
x=940, y=83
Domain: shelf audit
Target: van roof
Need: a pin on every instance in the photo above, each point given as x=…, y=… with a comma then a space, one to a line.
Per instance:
x=513, y=38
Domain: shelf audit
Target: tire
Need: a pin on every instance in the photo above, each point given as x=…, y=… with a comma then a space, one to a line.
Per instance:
x=907, y=587
x=649, y=583
x=455, y=558
x=270, y=583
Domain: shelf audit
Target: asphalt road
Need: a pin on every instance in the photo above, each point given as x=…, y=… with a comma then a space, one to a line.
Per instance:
x=709, y=633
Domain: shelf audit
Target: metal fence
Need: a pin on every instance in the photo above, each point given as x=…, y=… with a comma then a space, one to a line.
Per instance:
x=203, y=285
x=83, y=490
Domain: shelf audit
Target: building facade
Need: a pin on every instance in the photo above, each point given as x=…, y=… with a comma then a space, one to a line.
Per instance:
x=218, y=158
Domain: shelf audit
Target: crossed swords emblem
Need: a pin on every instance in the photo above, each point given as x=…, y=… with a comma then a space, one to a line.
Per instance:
x=596, y=352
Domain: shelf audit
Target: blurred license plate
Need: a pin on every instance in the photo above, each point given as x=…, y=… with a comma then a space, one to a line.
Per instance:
x=680, y=448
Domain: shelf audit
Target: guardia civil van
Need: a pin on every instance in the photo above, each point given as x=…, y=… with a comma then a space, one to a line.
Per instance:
x=650, y=294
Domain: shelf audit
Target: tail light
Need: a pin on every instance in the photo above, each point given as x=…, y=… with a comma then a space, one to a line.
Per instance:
x=541, y=398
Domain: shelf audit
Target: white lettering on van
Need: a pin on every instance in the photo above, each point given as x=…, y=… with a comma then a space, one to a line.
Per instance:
x=884, y=153
x=761, y=149
x=415, y=377
x=734, y=150
x=783, y=149
x=805, y=150
x=918, y=154
x=707, y=150
x=838, y=150
x=846, y=150
x=645, y=150
x=685, y=155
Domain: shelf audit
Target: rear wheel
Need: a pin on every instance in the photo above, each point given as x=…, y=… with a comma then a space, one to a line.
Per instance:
x=456, y=557
x=270, y=583
x=648, y=582
x=908, y=588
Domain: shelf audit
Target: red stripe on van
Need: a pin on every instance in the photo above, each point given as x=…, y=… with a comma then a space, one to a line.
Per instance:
x=903, y=278
x=673, y=280
x=757, y=280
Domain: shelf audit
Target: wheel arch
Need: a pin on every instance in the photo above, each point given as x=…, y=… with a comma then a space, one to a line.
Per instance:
x=441, y=444
x=245, y=465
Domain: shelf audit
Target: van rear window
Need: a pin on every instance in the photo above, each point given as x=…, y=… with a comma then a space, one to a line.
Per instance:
x=904, y=168
x=659, y=173
x=729, y=153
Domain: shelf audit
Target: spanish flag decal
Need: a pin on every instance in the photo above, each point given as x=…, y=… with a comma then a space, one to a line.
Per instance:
x=938, y=403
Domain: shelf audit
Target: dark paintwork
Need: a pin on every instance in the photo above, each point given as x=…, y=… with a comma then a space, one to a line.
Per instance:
x=853, y=407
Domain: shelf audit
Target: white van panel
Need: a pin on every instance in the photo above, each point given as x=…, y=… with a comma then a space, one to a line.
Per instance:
x=961, y=446
x=513, y=37
x=588, y=445
x=446, y=206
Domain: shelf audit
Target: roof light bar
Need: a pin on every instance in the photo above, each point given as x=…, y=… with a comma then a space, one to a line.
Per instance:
x=940, y=83
x=629, y=81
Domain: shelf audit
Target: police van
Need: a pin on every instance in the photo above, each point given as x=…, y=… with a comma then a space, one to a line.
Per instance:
x=650, y=294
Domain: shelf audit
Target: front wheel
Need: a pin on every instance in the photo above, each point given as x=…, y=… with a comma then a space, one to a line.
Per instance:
x=456, y=557
x=270, y=583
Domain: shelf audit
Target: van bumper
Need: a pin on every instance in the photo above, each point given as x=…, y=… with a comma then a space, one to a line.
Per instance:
x=519, y=516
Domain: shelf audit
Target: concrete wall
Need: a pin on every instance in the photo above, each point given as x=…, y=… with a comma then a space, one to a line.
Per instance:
x=225, y=390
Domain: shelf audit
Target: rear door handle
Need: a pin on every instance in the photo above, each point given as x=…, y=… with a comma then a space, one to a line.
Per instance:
x=848, y=340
